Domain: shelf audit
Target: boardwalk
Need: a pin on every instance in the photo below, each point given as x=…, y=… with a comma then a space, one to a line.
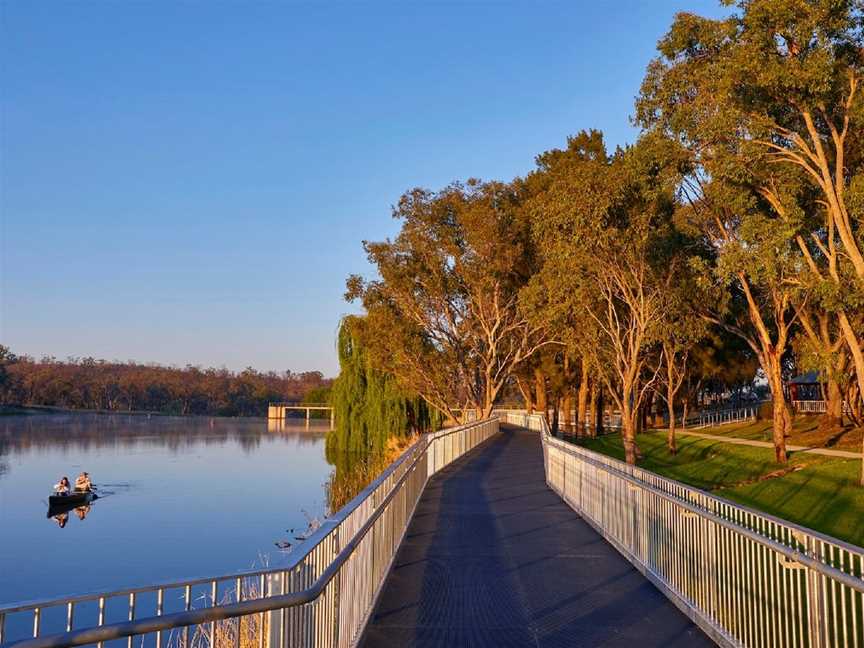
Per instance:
x=494, y=558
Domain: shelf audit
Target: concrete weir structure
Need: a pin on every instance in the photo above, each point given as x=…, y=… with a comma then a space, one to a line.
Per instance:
x=279, y=411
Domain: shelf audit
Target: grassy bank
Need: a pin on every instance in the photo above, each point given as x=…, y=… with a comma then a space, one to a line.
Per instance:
x=821, y=493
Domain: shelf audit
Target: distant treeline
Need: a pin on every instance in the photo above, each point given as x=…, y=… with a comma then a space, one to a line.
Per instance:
x=86, y=383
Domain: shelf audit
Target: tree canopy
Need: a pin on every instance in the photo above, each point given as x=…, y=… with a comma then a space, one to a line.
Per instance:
x=724, y=248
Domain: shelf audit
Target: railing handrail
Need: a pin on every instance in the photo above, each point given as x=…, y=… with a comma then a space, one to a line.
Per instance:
x=789, y=552
x=294, y=558
x=587, y=454
x=745, y=577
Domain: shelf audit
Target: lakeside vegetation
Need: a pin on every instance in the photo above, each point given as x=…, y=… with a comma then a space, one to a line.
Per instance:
x=376, y=419
x=371, y=409
x=815, y=491
x=90, y=384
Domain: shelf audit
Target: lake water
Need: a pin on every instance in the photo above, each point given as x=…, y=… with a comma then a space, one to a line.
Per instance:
x=183, y=497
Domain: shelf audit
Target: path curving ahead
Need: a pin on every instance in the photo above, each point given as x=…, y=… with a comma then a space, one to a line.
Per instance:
x=493, y=557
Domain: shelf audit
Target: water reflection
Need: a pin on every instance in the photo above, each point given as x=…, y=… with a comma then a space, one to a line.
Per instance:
x=178, y=497
x=61, y=517
x=20, y=434
x=294, y=425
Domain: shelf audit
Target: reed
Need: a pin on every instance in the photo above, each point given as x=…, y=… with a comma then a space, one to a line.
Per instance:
x=243, y=632
x=353, y=472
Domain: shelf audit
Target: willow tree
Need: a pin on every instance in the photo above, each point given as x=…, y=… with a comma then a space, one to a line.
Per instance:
x=370, y=407
x=444, y=309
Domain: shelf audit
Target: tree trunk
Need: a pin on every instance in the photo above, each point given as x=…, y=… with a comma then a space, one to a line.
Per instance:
x=648, y=411
x=591, y=427
x=540, y=392
x=525, y=390
x=782, y=420
x=833, y=417
x=582, y=400
x=628, y=433
x=854, y=403
x=670, y=431
x=598, y=412
x=566, y=407
x=858, y=360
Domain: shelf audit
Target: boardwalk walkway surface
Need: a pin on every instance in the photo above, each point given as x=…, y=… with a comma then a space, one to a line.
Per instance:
x=493, y=557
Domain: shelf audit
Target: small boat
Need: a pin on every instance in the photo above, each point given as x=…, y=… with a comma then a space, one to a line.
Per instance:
x=72, y=498
x=62, y=503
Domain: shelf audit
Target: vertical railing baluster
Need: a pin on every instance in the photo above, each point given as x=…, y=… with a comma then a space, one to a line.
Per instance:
x=101, y=615
x=70, y=616
x=160, y=600
x=131, y=616
x=36, y=618
x=262, y=593
x=214, y=592
x=187, y=604
x=238, y=586
x=283, y=616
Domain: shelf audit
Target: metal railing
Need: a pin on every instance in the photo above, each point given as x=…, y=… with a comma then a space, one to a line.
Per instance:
x=816, y=407
x=809, y=407
x=722, y=417
x=747, y=578
x=321, y=597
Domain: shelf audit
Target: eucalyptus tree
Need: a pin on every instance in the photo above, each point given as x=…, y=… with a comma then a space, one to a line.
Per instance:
x=567, y=179
x=684, y=328
x=443, y=313
x=603, y=225
x=770, y=98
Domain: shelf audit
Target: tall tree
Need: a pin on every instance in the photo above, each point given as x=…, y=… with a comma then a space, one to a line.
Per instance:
x=604, y=224
x=444, y=310
x=683, y=329
x=770, y=96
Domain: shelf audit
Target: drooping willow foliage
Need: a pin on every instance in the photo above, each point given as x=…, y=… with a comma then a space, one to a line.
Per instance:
x=370, y=407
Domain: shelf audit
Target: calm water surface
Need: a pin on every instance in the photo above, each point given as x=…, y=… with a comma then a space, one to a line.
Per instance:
x=183, y=497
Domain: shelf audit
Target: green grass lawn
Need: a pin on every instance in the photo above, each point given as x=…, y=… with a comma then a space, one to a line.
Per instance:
x=805, y=432
x=822, y=493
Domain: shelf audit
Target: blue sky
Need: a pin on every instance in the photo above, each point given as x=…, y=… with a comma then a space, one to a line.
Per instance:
x=190, y=182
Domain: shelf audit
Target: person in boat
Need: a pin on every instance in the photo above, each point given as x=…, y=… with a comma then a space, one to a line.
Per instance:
x=62, y=487
x=83, y=483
